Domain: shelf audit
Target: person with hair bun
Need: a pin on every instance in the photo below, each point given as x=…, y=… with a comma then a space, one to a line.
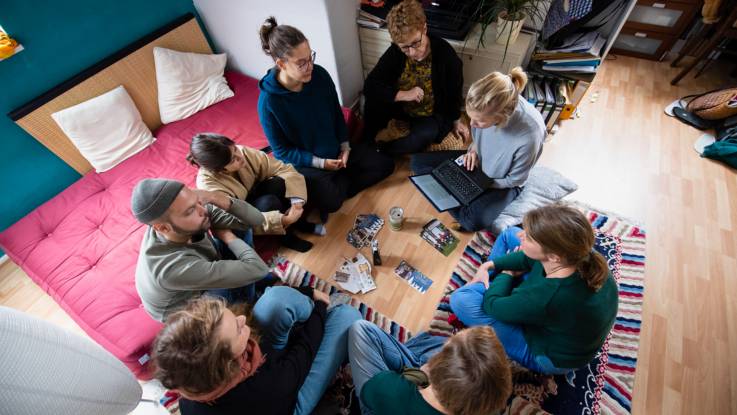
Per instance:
x=552, y=301
x=508, y=134
x=415, y=92
x=299, y=111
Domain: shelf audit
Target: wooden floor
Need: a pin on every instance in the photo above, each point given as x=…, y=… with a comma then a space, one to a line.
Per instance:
x=628, y=158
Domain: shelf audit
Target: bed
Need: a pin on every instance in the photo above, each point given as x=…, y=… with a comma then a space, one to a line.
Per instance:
x=81, y=247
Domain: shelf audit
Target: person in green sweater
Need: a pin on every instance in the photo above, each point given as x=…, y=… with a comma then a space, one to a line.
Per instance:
x=468, y=374
x=552, y=301
x=179, y=258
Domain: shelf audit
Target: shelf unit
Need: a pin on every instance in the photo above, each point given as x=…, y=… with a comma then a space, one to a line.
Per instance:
x=654, y=26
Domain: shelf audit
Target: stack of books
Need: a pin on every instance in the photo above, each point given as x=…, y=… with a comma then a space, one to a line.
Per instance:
x=579, y=53
x=370, y=20
x=373, y=14
x=439, y=236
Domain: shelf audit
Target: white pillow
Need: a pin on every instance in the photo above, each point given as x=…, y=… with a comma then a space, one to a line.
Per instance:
x=544, y=186
x=106, y=129
x=188, y=82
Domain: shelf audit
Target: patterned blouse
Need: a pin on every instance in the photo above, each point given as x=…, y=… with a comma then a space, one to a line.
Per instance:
x=418, y=74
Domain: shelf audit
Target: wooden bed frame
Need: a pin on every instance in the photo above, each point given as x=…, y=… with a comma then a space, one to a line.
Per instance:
x=133, y=67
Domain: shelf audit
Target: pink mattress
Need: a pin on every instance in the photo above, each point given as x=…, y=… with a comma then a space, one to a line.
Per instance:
x=81, y=246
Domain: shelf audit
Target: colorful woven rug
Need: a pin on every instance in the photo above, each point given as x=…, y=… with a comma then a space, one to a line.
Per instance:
x=605, y=385
x=296, y=276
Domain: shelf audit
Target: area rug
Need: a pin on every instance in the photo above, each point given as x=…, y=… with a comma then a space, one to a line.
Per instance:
x=605, y=386
x=296, y=276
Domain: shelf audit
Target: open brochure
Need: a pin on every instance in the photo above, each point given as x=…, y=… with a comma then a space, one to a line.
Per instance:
x=354, y=275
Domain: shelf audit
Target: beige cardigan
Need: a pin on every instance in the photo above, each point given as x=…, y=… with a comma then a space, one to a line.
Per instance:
x=259, y=167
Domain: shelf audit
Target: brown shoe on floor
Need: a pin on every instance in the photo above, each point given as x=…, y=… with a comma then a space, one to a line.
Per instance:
x=395, y=130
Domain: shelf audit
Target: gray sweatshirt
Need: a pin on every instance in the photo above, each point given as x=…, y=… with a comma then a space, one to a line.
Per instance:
x=507, y=153
x=170, y=273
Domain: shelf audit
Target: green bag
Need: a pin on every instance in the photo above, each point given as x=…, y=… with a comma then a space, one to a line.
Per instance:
x=724, y=151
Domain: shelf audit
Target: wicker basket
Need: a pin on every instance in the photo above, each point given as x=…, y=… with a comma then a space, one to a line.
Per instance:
x=715, y=105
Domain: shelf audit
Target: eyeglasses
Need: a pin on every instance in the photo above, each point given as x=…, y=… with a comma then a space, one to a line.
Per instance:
x=304, y=65
x=414, y=45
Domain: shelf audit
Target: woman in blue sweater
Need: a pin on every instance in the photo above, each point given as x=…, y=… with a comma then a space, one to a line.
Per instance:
x=301, y=117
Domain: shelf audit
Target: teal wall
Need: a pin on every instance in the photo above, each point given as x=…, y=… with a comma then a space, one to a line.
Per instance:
x=61, y=38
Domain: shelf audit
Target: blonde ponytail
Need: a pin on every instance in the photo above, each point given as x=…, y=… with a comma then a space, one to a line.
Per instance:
x=496, y=92
x=519, y=78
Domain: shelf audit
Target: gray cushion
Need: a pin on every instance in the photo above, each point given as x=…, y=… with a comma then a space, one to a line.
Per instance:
x=544, y=186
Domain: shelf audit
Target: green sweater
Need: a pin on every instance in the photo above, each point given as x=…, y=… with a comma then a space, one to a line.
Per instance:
x=562, y=318
x=168, y=274
x=390, y=393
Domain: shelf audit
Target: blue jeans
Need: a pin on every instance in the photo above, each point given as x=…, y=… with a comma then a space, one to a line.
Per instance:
x=246, y=293
x=371, y=351
x=278, y=310
x=505, y=243
x=466, y=302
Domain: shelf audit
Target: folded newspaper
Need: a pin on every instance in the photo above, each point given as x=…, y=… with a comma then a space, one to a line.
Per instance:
x=354, y=275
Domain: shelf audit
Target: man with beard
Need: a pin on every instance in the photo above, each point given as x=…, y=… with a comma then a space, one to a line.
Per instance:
x=178, y=259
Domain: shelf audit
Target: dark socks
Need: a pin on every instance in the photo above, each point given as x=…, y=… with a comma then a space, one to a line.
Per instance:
x=292, y=241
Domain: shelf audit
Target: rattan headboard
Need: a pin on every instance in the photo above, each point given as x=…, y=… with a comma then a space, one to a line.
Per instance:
x=132, y=67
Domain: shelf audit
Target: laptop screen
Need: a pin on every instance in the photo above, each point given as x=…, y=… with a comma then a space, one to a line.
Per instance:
x=435, y=192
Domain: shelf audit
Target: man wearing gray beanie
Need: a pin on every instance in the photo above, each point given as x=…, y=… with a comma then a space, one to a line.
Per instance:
x=178, y=258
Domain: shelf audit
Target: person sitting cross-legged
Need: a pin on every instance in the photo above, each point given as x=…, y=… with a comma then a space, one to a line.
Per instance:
x=414, y=93
x=468, y=374
x=508, y=134
x=179, y=259
x=300, y=113
x=553, y=299
x=273, y=187
x=277, y=359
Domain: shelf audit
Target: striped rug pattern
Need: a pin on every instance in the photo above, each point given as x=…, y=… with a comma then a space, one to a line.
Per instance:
x=296, y=276
x=605, y=386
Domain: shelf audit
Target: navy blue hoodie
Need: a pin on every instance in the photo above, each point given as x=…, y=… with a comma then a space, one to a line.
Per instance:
x=300, y=125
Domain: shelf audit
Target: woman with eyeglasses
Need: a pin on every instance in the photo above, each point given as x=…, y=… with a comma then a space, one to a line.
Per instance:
x=414, y=93
x=302, y=119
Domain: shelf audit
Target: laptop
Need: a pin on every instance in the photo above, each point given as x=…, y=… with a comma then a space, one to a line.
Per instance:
x=450, y=185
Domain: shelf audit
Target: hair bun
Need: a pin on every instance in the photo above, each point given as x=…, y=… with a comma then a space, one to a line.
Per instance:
x=267, y=28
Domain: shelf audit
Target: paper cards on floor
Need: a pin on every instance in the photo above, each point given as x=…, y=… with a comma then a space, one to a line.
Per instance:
x=439, y=236
x=364, y=230
x=354, y=275
x=414, y=278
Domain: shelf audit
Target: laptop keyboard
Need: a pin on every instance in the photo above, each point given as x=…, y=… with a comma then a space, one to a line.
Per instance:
x=457, y=182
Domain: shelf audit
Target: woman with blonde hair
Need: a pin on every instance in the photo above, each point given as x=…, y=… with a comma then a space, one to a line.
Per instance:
x=508, y=134
x=552, y=301
x=415, y=87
